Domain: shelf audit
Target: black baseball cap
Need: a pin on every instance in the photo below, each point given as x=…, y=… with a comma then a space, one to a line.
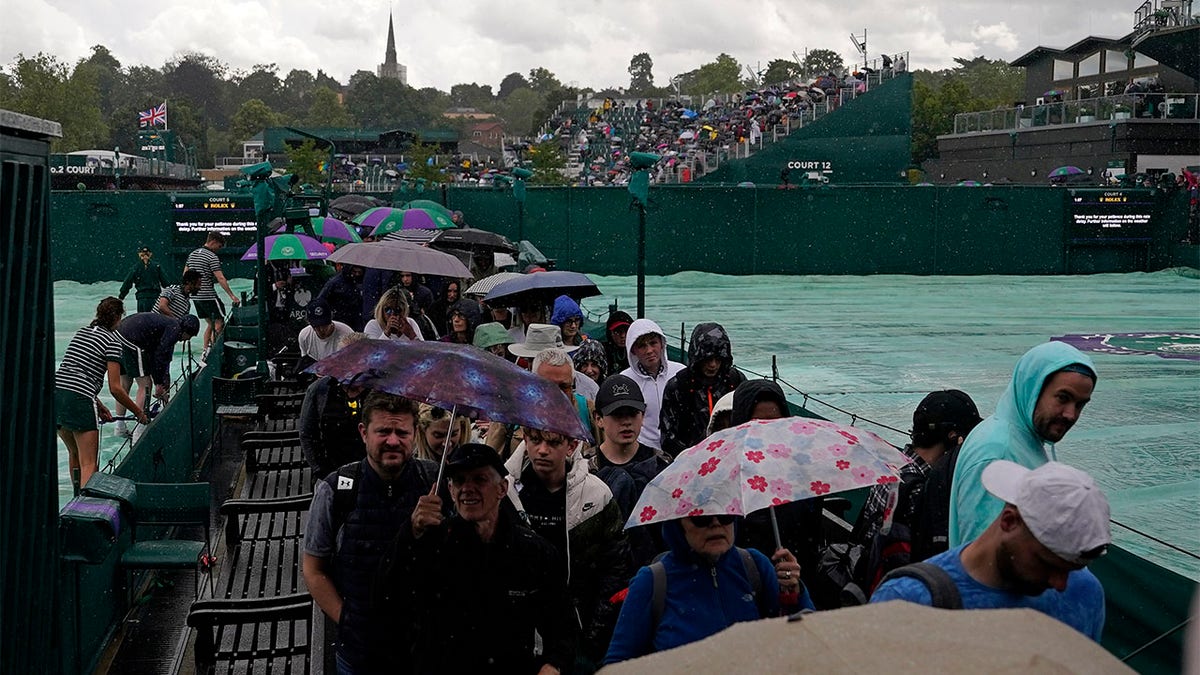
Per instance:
x=318, y=314
x=473, y=456
x=951, y=409
x=617, y=392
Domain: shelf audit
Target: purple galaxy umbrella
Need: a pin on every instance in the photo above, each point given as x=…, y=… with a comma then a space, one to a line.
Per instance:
x=471, y=381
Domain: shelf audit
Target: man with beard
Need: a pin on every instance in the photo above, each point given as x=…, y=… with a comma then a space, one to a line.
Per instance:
x=1054, y=522
x=355, y=514
x=1050, y=386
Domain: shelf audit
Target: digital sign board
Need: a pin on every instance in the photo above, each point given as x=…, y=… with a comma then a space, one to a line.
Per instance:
x=1110, y=215
x=197, y=214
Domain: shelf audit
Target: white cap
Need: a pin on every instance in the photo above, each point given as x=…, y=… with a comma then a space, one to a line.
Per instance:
x=1062, y=506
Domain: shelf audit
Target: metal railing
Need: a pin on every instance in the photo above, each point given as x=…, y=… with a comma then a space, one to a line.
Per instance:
x=1154, y=15
x=1161, y=106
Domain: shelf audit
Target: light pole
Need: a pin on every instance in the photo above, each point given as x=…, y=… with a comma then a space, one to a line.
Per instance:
x=639, y=187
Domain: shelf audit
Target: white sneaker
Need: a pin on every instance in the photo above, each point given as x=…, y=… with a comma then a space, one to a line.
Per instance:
x=121, y=430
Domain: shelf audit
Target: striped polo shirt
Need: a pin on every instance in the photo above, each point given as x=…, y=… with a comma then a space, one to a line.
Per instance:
x=86, y=361
x=206, y=263
x=179, y=304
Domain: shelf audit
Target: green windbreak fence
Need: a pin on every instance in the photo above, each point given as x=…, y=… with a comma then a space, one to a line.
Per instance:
x=876, y=229
x=28, y=472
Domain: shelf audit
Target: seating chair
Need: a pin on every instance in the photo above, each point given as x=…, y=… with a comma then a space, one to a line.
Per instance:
x=233, y=397
x=158, y=504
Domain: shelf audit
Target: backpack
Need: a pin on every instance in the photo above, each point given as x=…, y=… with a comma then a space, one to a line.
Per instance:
x=942, y=590
x=345, y=494
x=658, y=599
x=345, y=491
x=931, y=509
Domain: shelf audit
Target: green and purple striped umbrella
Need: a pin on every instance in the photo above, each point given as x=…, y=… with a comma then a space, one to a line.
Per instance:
x=427, y=204
x=328, y=228
x=385, y=220
x=289, y=247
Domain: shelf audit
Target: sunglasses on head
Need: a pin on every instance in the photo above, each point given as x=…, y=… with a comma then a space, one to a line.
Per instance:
x=704, y=521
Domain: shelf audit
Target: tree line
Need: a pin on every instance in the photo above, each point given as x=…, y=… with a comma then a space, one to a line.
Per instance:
x=214, y=107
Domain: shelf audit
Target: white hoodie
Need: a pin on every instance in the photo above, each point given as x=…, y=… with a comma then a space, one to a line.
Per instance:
x=652, y=386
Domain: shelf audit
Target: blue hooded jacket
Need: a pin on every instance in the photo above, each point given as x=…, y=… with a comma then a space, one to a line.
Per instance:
x=1007, y=434
x=702, y=599
x=565, y=308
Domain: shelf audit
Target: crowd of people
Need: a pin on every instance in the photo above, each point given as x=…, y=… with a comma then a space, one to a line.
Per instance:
x=691, y=134
x=134, y=350
x=521, y=561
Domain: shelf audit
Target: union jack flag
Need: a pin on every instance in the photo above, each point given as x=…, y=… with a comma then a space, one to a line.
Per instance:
x=154, y=116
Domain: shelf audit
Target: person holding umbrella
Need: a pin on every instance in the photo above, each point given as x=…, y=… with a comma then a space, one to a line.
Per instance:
x=472, y=593
x=703, y=585
x=356, y=511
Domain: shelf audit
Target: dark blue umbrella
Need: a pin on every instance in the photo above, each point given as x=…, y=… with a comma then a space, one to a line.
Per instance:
x=543, y=287
x=688, y=113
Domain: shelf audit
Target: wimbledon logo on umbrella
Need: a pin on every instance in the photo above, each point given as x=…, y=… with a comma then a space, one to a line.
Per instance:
x=287, y=250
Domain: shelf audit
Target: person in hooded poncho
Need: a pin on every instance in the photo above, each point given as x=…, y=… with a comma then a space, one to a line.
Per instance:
x=690, y=396
x=1050, y=386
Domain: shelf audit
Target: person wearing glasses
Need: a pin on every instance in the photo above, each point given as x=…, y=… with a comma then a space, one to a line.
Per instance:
x=569, y=318
x=392, y=321
x=701, y=586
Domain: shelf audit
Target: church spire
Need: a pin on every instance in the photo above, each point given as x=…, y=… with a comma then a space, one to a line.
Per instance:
x=390, y=55
x=391, y=68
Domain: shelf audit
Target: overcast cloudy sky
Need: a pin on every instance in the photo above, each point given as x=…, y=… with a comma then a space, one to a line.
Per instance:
x=586, y=43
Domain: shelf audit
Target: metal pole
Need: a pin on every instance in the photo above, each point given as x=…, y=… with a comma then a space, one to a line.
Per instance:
x=641, y=261
x=263, y=288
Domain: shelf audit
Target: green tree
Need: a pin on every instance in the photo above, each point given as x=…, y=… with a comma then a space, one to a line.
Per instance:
x=251, y=118
x=822, y=61
x=263, y=84
x=423, y=164
x=512, y=82
x=327, y=111
x=547, y=161
x=933, y=114
x=641, y=75
x=471, y=95
x=543, y=82
x=781, y=70
x=201, y=80
x=304, y=160
x=972, y=85
x=43, y=87
x=722, y=75
x=519, y=110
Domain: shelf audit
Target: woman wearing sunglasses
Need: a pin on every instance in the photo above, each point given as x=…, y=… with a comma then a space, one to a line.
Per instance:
x=703, y=585
x=392, y=321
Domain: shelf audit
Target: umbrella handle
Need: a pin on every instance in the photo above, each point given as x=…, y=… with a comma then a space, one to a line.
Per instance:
x=445, y=451
x=775, y=529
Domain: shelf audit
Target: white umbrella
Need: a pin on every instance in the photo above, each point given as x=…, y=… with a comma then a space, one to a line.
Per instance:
x=486, y=284
x=401, y=256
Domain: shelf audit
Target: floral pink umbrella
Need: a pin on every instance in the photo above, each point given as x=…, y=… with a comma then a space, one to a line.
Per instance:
x=765, y=463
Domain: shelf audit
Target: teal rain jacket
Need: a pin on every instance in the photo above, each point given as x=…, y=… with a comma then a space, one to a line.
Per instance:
x=1007, y=434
